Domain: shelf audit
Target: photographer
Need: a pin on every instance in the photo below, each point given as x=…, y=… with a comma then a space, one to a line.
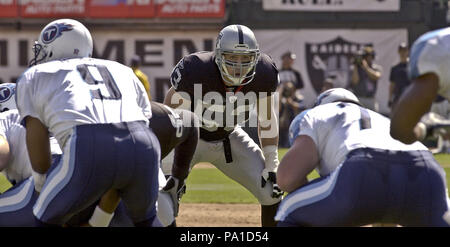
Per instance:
x=398, y=77
x=364, y=77
x=291, y=104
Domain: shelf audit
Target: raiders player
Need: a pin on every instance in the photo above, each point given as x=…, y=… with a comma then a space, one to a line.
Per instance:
x=365, y=175
x=16, y=204
x=176, y=130
x=98, y=111
x=230, y=81
x=428, y=70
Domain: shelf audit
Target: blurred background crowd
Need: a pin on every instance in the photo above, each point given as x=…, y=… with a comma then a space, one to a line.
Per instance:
x=361, y=45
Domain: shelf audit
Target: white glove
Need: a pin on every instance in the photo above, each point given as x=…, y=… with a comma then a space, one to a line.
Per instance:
x=176, y=189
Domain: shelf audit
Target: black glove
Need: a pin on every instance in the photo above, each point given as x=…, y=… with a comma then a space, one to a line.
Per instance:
x=176, y=189
x=272, y=178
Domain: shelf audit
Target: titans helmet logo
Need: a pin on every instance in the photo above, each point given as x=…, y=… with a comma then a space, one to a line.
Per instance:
x=54, y=31
x=5, y=94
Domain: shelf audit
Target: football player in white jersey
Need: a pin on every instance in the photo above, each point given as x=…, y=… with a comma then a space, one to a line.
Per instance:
x=365, y=175
x=428, y=70
x=16, y=204
x=98, y=111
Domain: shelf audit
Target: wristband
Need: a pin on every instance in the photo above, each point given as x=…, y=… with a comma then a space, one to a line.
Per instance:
x=271, y=157
x=100, y=218
x=39, y=180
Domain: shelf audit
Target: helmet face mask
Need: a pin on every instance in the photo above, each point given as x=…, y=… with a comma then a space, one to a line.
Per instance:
x=39, y=54
x=237, y=54
x=62, y=39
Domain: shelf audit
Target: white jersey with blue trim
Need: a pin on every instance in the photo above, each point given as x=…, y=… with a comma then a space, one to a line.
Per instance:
x=337, y=128
x=19, y=166
x=66, y=93
x=430, y=53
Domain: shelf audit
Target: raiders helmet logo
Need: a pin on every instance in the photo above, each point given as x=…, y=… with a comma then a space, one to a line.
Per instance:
x=330, y=59
x=54, y=31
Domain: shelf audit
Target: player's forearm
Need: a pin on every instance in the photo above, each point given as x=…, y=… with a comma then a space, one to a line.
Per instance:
x=38, y=145
x=411, y=106
x=267, y=141
x=184, y=154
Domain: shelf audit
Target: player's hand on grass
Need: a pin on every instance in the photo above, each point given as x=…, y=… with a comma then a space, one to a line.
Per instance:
x=271, y=177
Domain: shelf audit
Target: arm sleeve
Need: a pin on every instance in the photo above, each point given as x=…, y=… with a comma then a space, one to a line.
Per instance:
x=142, y=98
x=179, y=77
x=308, y=126
x=427, y=56
x=3, y=125
x=25, y=97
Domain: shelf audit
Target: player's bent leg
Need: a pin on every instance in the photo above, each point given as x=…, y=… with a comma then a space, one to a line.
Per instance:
x=165, y=209
x=16, y=205
x=141, y=191
x=246, y=169
x=81, y=177
x=164, y=205
x=310, y=204
x=268, y=213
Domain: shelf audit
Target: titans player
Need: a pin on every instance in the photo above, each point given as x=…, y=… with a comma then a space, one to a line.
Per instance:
x=230, y=82
x=16, y=204
x=365, y=175
x=428, y=70
x=177, y=130
x=98, y=111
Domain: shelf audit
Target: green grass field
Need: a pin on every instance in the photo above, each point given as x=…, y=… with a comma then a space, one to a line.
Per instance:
x=209, y=185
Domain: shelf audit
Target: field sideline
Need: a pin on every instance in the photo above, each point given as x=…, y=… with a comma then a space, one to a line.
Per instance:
x=209, y=185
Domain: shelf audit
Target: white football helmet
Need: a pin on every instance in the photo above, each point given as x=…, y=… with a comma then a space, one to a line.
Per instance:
x=7, y=96
x=335, y=95
x=62, y=39
x=236, y=41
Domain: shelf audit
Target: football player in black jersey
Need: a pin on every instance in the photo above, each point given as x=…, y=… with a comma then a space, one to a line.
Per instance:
x=221, y=88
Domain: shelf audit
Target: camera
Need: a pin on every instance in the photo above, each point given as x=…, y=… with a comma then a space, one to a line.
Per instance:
x=357, y=58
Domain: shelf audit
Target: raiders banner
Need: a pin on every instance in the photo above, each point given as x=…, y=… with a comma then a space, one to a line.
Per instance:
x=332, y=5
x=329, y=53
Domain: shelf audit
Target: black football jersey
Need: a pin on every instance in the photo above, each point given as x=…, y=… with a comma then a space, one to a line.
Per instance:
x=219, y=117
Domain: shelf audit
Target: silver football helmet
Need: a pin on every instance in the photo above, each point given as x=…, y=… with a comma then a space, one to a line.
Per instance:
x=62, y=39
x=335, y=95
x=237, y=53
x=7, y=96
